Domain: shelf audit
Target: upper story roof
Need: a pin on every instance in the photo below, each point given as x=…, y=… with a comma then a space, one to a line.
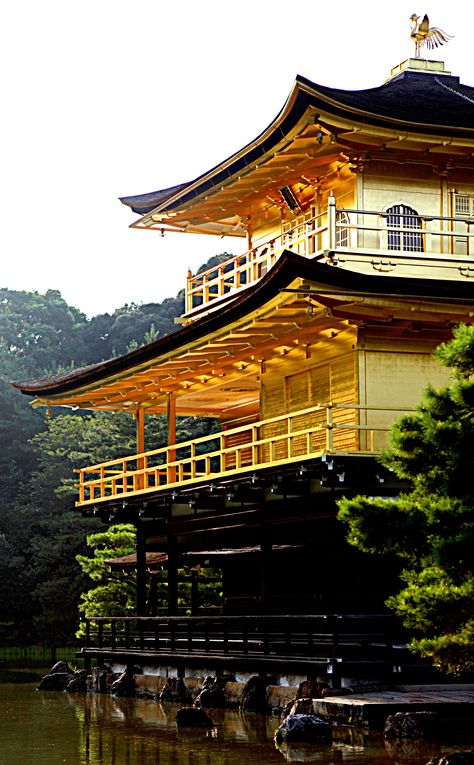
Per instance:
x=421, y=107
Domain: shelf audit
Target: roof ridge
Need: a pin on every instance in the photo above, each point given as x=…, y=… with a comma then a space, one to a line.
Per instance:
x=456, y=93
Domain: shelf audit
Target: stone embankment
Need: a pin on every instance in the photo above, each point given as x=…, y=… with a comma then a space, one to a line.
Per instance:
x=310, y=712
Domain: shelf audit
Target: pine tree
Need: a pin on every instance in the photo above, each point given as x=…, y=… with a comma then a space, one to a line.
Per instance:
x=431, y=528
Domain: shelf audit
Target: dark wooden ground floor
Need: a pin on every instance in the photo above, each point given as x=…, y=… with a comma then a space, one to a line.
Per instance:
x=292, y=591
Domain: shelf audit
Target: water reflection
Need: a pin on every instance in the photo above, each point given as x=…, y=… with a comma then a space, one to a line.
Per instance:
x=61, y=729
x=128, y=732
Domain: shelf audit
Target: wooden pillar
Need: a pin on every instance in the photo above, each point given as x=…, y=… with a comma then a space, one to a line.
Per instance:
x=153, y=597
x=265, y=568
x=171, y=417
x=140, y=440
x=140, y=429
x=446, y=243
x=141, y=571
x=194, y=591
x=172, y=577
x=249, y=232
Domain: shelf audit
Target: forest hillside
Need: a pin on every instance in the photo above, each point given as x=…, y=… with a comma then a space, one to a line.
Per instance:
x=40, y=334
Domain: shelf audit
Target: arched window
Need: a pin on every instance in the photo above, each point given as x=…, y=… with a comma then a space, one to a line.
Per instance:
x=404, y=218
x=342, y=233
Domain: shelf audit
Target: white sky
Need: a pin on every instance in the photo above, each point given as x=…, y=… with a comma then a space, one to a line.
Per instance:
x=108, y=98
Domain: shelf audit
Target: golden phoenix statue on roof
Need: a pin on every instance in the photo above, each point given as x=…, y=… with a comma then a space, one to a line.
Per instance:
x=423, y=34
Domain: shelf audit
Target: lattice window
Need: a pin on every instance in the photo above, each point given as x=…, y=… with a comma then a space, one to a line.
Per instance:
x=342, y=234
x=404, y=217
x=463, y=208
x=463, y=205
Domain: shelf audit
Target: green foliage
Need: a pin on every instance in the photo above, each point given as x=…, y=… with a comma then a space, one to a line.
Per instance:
x=432, y=527
x=39, y=333
x=115, y=592
x=131, y=326
x=215, y=260
x=40, y=579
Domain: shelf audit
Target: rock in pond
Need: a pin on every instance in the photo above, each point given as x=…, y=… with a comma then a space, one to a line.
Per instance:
x=61, y=667
x=124, y=684
x=56, y=681
x=454, y=758
x=175, y=690
x=193, y=717
x=212, y=694
x=410, y=725
x=254, y=695
x=304, y=728
x=301, y=707
x=79, y=682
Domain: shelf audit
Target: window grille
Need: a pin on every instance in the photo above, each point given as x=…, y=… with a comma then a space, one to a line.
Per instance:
x=404, y=217
x=462, y=204
x=463, y=207
x=342, y=234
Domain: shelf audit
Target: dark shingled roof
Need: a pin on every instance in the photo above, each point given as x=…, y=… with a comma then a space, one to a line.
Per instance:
x=415, y=101
x=416, y=97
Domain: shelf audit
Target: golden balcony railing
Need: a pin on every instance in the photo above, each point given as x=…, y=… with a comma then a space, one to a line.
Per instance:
x=430, y=240
x=337, y=429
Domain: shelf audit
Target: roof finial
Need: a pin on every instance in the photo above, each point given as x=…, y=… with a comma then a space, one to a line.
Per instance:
x=423, y=34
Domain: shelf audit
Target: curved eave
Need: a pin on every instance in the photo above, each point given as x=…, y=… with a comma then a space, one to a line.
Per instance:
x=305, y=97
x=292, y=111
x=289, y=268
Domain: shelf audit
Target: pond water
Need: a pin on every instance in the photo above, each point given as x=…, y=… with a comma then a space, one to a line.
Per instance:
x=38, y=728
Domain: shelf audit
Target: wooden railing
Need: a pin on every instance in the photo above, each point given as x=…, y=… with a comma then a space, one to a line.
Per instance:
x=289, y=438
x=241, y=271
x=325, y=638
x=446, y=240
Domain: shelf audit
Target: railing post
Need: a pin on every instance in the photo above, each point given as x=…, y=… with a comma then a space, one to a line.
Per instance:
x=336, y=680
x=225, y=635
x=265, y=640
x=255, y=448
x=222, y=456
x=81, y=486
x=188, y=296
x=310, y=637
x=189, y=631
x=329, y=428
x=125, y=476
x=219, y=281
x=245, y=636
x=332, y=222
x=127, y=634
x=172, y=634
x=288, y=641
